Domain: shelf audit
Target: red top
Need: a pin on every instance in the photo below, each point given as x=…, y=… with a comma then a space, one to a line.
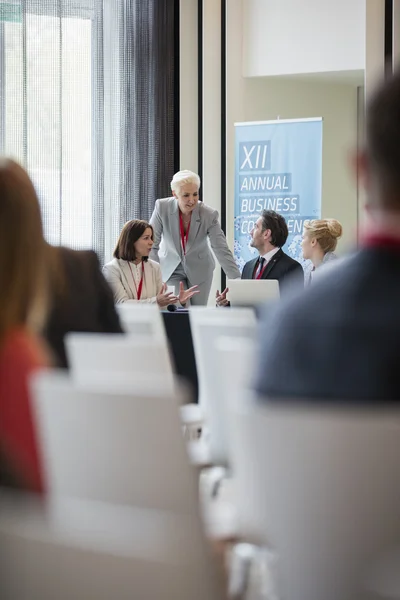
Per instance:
x=379, y=239
x=184, y=237
x=20, y=355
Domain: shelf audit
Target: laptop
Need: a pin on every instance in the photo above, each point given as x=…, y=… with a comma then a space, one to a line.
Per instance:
x=252, y=292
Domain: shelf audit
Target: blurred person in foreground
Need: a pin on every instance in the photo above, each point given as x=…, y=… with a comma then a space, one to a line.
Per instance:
x=135, y=278
x=267, y=237
x=80, y=299
x=188, y=228
x=340, y=339
x=319, y=243
x=22, y=313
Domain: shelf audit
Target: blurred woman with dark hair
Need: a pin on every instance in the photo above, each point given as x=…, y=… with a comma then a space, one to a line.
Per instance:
x=80, y=298
x=23, y=302
x=133, y=276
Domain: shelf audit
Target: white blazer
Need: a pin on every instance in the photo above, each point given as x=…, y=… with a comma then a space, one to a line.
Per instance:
x=118, y=275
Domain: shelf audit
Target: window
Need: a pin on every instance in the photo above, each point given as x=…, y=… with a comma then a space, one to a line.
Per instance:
x=87, y=90
x=47, y=110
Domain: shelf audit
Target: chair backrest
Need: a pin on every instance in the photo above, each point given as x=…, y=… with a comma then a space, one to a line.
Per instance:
x=142, y=320
x=107, y=357
x=235, y=359
x=207, y=325
x=322, y=488
x=109, y=443
x=98, y=552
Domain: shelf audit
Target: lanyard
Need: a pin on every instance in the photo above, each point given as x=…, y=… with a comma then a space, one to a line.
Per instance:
x=261, y=273
x=138, y=290
x=184, y=238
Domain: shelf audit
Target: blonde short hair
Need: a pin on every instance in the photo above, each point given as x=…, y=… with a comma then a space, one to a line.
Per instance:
x=325, y=231
x=182, y=178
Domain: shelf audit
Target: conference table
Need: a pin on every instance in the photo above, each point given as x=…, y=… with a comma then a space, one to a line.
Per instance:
x=177, y=327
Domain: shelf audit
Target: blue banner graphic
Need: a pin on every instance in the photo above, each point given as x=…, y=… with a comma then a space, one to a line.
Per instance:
x=278, y=166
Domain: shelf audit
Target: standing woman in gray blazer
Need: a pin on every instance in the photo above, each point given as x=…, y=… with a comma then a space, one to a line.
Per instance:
x=186, y=226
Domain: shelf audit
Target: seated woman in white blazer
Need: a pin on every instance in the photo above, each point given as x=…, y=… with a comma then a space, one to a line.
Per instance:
x=135, y=278
x=186, y=227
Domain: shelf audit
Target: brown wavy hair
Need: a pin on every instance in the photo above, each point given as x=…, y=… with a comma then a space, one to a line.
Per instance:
x=131, y=232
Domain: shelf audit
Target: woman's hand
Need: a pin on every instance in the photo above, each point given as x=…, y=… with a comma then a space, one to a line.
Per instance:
x=185, y=295
x=164, y=297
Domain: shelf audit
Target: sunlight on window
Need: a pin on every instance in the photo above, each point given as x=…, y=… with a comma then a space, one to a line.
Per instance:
x=48, y=117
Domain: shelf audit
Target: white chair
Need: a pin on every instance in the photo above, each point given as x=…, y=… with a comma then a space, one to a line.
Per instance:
x=142, y=320
x=236, y=360
x=321, y=488
x=91, y=551
x=207, y=325
x=108, y=357
x=109, y=443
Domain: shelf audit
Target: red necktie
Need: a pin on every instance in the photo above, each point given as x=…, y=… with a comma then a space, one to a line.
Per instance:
x=260, y=267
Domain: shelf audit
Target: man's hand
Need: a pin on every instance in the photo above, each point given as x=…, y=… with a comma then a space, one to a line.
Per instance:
x=221, y=298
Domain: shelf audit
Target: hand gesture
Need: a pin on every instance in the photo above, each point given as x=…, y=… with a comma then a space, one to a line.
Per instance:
x=221, y=298
x=164, y=297
x=185, y=295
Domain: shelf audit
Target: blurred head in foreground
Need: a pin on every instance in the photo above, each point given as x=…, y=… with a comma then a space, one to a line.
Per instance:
x=378, y=162
x=347, y=328
x=22, y=251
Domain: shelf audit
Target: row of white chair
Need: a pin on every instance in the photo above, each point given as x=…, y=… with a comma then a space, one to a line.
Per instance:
x=121, y=517
x=319, y=488
x=110, y=358
x=317, y=485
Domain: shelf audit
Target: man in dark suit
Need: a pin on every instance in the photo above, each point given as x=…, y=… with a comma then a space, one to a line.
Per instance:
x=340, y=340
x=268, y=236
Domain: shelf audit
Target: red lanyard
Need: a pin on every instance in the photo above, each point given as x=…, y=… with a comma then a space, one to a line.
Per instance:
x=138, y=290
x=261, y=273
x=184, y=238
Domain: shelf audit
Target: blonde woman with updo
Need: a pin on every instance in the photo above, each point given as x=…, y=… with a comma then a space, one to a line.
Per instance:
x=320, y=238
x=189, y=229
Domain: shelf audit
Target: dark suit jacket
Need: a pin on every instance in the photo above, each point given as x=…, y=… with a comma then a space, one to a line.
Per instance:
x=282, y=267
x=340, y=339
x=81, y=300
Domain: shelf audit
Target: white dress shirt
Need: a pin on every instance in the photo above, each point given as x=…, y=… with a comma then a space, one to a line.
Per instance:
x=269, y=255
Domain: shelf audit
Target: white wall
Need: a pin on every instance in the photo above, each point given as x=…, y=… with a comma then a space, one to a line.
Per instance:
x=284, y=37
x=211, y=184
x=189, y=110
x=251, y=99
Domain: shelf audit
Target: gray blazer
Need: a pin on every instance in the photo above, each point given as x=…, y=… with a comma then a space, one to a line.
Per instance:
x=198, y=263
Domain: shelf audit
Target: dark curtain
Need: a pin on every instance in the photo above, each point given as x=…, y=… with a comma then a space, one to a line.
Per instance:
x=134, y=112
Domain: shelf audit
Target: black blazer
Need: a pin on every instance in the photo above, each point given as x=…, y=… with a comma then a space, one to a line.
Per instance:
x=282, y=267
x=81, y=300
x=340, y=339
